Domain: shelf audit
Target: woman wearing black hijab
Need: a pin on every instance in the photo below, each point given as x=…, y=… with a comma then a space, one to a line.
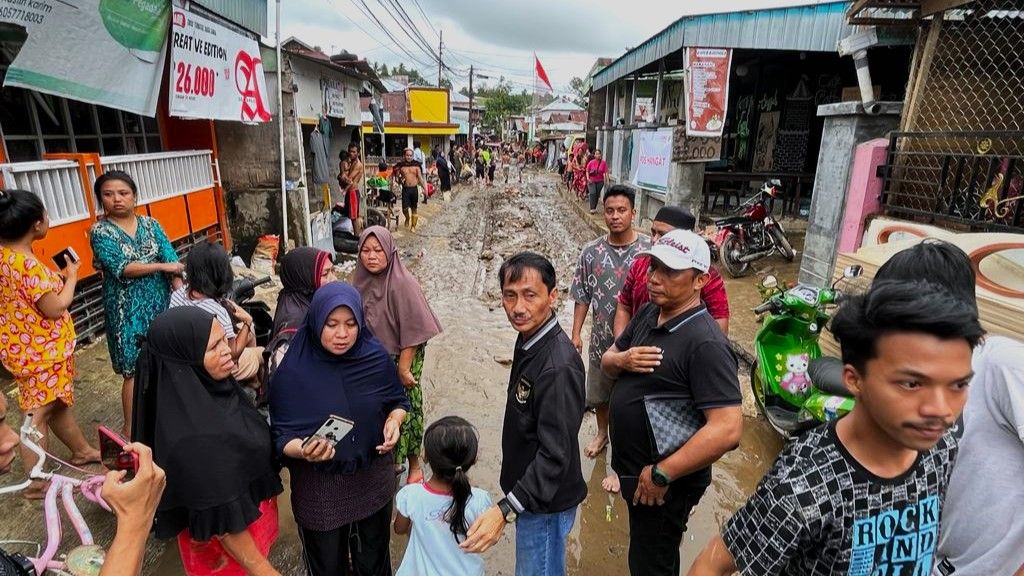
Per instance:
x=303, y=270
x=341, y=494
x=211, y=441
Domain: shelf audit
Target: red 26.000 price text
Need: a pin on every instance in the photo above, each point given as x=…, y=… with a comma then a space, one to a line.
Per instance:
x=196, y=80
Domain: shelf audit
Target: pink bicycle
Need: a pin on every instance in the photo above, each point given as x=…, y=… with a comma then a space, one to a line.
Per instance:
x=83, y=560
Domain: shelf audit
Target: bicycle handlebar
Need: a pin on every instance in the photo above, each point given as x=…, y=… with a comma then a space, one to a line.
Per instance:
x=765, y=307
x=27, y=433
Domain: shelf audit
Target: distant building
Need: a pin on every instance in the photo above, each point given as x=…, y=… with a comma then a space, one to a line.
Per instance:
x=412, y=114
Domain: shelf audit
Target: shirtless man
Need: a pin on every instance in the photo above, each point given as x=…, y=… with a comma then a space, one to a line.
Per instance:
x=350, y=174
x=409, y=173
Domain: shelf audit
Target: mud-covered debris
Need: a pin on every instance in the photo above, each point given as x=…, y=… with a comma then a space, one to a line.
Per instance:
x=503, y=360
x=487, y=255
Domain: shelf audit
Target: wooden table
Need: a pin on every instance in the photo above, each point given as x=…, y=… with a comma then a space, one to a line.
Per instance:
x=792, y=184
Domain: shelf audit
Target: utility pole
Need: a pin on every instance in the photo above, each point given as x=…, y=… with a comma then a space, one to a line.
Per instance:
x=471, y=105
x=440, y=47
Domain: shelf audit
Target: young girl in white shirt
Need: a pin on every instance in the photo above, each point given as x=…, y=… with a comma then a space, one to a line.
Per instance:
x=438, y=512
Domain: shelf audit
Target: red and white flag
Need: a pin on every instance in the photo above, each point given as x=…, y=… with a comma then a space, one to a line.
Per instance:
x=542, y=74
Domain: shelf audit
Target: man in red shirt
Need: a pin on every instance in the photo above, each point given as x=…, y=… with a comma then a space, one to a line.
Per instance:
x=634, y=293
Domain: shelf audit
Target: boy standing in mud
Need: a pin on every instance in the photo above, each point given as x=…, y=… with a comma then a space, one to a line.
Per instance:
x=863, y=495
x=409, y=174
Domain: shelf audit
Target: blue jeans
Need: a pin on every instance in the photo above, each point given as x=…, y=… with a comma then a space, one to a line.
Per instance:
x=540, y=542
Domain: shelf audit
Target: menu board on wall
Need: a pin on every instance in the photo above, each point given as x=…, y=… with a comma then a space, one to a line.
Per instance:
x=707, y=90
x=686, y=148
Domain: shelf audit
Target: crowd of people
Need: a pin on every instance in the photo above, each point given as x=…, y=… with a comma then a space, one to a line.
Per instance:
x=214, y=417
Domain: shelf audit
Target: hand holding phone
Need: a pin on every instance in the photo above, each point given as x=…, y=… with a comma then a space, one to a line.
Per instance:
x=113, y=454
x=66, y=258
x=332, y=430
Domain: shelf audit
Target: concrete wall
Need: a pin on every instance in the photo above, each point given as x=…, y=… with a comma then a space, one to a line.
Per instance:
x=846, y=126
x=309, y=98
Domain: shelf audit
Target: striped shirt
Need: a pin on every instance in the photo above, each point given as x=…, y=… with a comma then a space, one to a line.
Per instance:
x=180, y=297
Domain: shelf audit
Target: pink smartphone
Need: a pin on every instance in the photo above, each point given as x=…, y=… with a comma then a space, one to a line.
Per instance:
x=113, y=454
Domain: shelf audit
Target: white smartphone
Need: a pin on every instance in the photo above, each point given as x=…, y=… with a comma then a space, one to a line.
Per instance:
x=333, y=430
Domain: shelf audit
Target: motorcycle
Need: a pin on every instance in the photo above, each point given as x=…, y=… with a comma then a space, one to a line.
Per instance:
x=794, y=386
x=754, y=234
x=243, y=290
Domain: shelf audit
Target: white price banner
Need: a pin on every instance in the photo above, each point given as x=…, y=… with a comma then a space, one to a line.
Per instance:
x=216, y=73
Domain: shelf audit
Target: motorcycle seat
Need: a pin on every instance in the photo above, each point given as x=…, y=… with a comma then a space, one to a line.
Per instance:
x=827, y=375
x=731, y=220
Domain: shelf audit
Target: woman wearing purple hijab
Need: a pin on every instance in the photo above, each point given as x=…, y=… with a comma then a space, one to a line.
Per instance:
x=398, y=315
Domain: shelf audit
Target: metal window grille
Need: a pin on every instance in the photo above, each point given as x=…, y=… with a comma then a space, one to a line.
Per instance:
x=959, y=160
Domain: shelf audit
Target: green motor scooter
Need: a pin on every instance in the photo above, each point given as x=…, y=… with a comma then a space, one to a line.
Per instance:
x=795, y=387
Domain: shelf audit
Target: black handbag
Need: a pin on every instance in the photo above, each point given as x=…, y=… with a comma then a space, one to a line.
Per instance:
x=672, y=420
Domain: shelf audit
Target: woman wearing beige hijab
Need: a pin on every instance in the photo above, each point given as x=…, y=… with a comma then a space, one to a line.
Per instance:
x=399, y=316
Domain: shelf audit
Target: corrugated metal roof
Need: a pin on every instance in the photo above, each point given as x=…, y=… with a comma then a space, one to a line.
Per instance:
x=815, y=28
x=249, y=14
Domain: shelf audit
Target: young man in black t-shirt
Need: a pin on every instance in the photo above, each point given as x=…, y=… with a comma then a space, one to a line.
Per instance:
x=676, y=383
x=862, y=496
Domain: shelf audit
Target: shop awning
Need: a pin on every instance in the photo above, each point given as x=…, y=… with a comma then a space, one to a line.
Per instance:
x=905, y=12
x=813, y=28
x=414, y=128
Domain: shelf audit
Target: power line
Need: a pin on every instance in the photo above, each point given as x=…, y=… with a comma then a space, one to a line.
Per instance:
x=368, y=35
x=369, y=13
x=426, y=18
x=407, y=27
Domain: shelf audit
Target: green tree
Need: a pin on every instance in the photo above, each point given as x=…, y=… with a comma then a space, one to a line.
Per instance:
x=502, y=103
x=580, y=97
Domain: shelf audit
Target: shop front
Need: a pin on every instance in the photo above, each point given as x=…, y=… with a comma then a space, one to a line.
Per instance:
x=770, y=90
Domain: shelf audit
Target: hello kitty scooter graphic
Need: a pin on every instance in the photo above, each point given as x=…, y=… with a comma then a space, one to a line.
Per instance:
x=795, y=387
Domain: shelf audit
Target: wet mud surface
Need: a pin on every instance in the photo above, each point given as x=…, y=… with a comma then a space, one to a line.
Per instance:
x=456, y=254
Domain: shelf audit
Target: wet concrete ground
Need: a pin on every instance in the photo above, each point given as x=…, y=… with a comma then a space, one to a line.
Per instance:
x=456, y=253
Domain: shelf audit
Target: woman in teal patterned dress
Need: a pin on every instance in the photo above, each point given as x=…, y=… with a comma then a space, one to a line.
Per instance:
x=139, y=268
x=398, y=315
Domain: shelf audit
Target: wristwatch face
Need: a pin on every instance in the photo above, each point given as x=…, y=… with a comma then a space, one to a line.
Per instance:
x=511, y=516
x=659, y=478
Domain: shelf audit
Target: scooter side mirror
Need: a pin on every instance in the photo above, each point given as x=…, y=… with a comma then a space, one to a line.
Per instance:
x=853, y=271
x=770, y=281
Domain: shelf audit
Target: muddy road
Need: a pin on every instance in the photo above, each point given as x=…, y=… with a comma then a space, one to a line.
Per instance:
x=462, y=246
x=456, y=254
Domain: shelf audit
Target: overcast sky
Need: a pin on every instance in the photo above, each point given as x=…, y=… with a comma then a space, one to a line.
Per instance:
x=498, y=37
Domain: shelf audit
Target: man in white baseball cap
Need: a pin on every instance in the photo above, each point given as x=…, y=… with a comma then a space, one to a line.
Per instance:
x=676, y=383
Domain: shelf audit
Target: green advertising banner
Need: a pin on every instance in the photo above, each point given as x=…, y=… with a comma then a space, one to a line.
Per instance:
x=106, y=52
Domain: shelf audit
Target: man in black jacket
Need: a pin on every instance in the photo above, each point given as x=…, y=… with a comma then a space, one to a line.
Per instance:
x=540, y=472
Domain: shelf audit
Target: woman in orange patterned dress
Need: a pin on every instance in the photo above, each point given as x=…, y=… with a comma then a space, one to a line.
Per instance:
x=37, y=336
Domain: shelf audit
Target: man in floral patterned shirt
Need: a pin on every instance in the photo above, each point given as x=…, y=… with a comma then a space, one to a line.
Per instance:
x=599, y=276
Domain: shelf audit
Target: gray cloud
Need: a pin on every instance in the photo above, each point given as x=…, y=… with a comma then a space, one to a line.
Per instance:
x=541, y=25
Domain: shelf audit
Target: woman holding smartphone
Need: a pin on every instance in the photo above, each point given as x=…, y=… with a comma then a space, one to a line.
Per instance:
x=215, y=447
x=342, y=491
x=37, y=335
x=139, y=268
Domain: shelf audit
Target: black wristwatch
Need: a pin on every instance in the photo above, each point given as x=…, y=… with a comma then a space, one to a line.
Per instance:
x=508, y=511
x=659, y=478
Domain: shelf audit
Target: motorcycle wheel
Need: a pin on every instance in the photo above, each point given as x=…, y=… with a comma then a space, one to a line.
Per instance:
x=782, y=243
x=375, y=217
x=757, y=387
x=734, y=267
